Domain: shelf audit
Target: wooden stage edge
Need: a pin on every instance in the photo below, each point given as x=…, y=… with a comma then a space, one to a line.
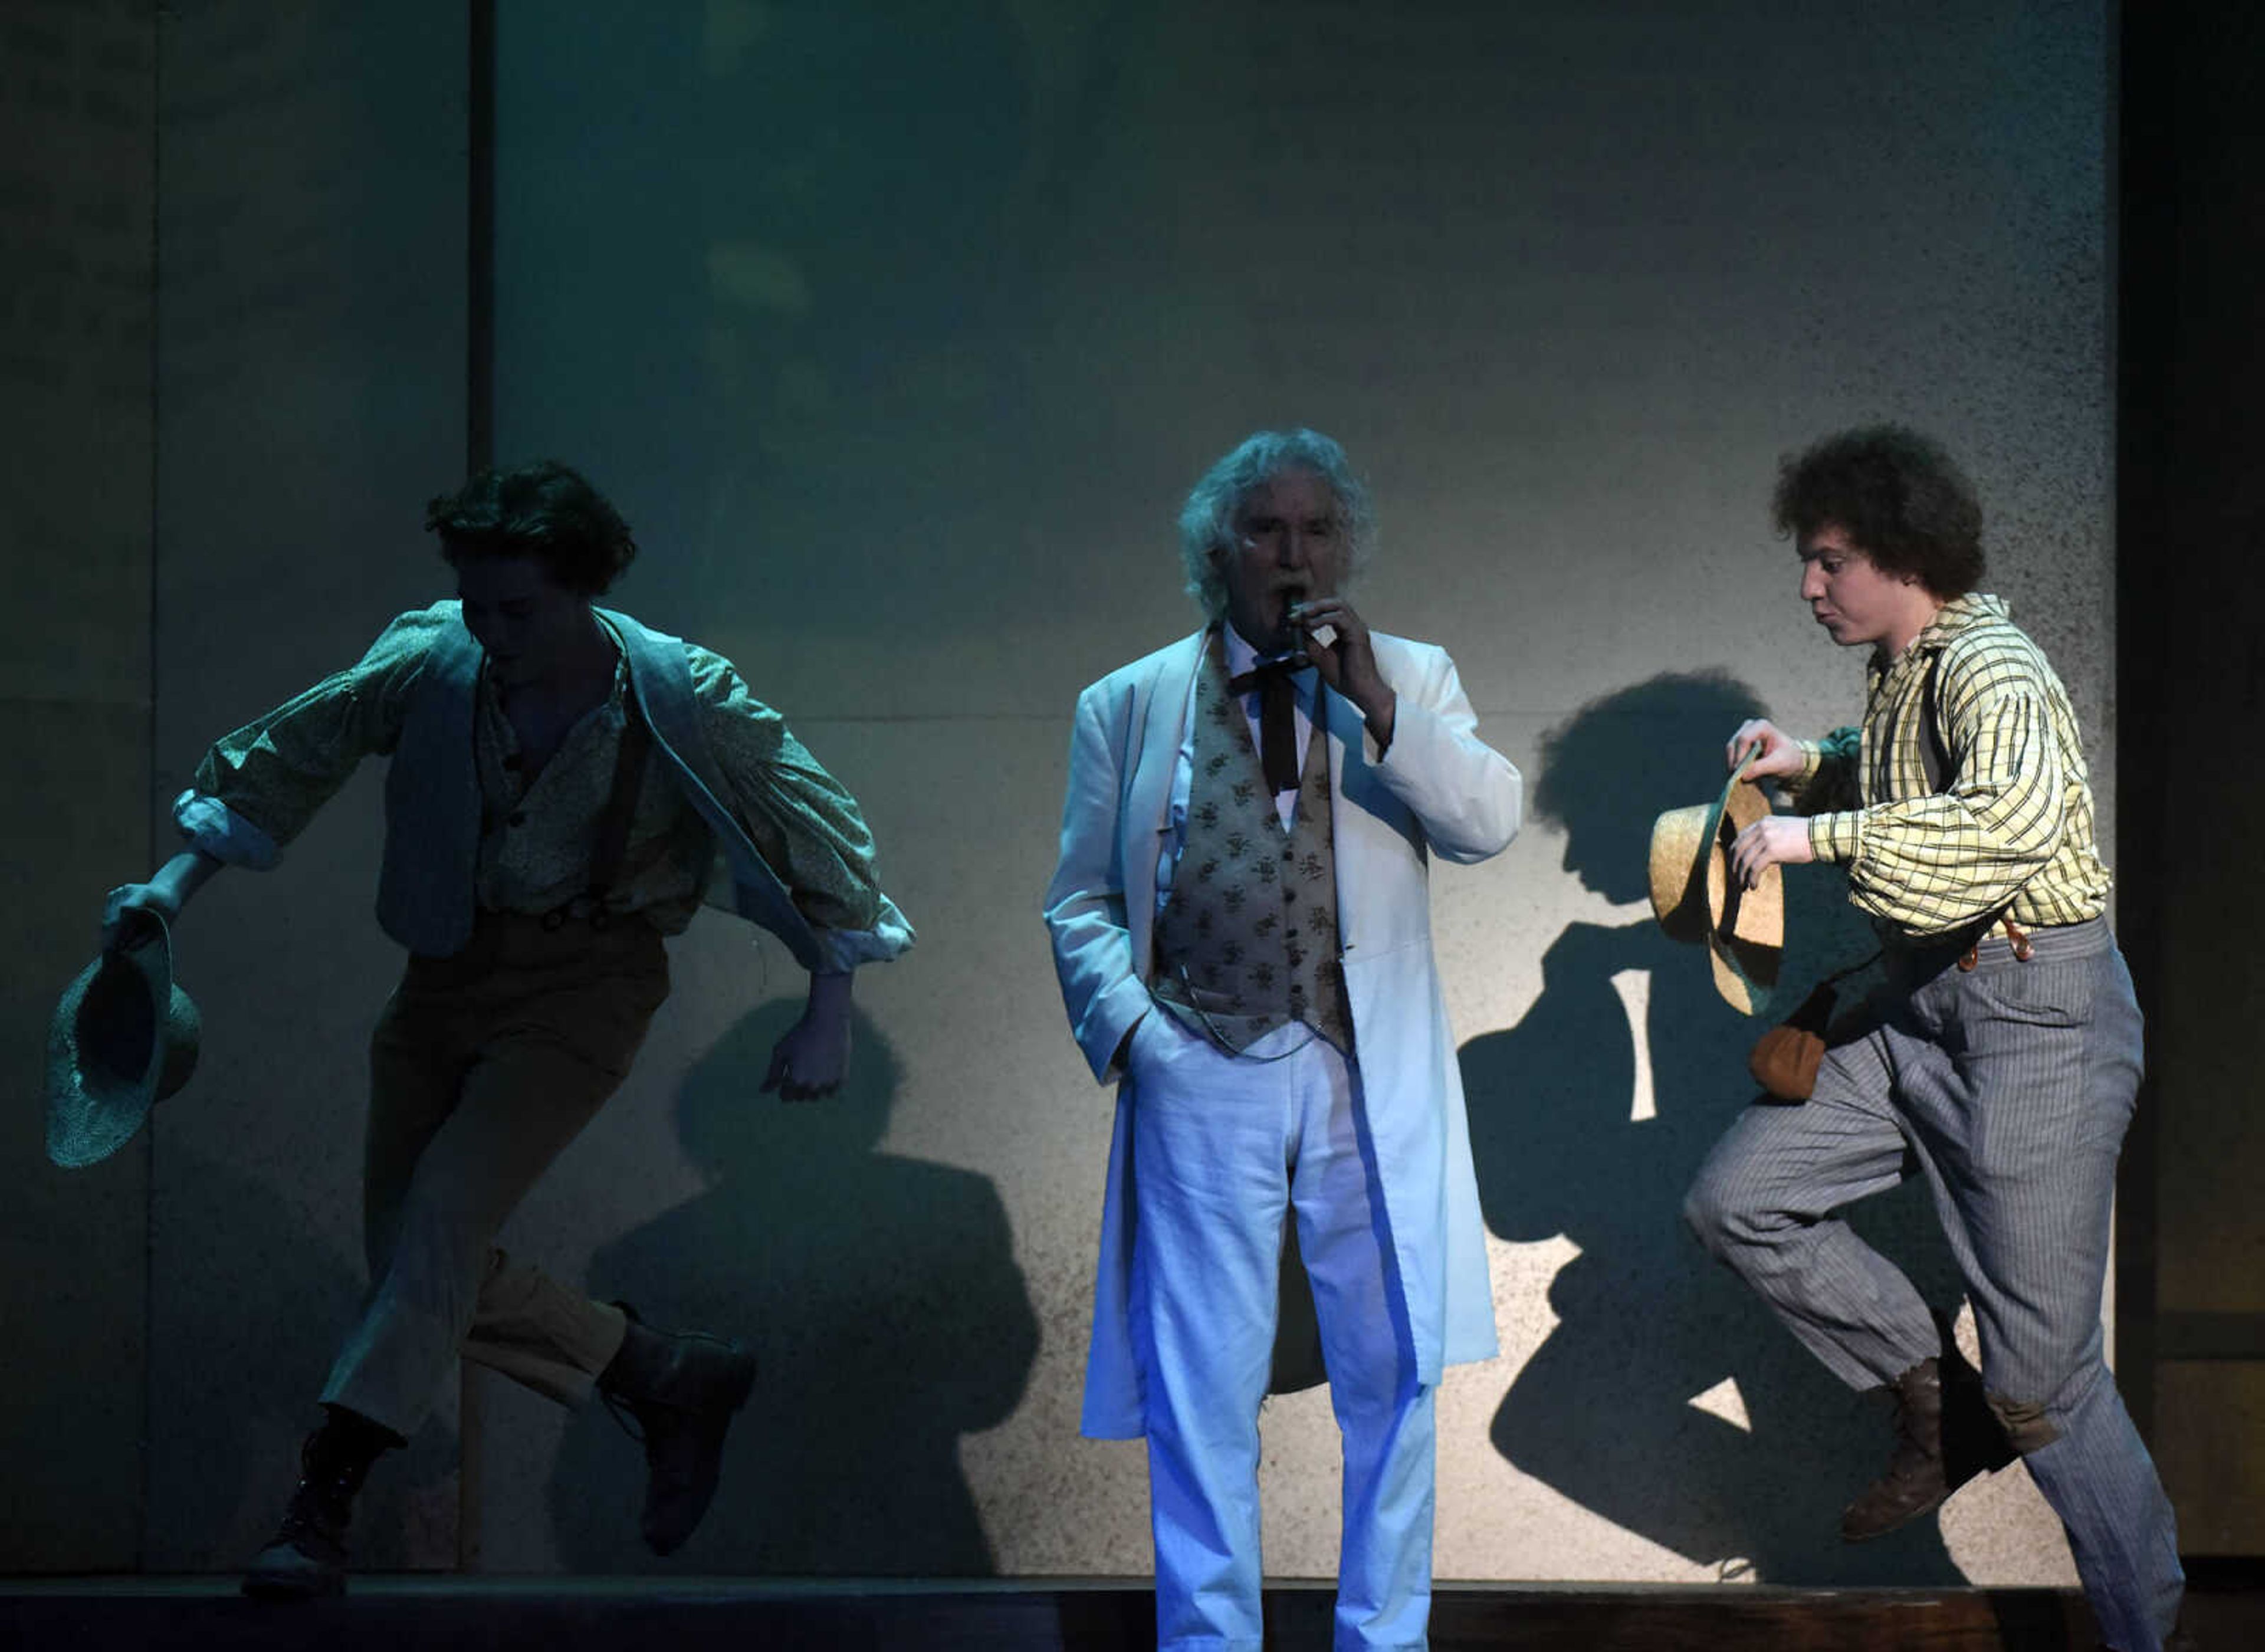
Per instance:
x=394, y=1613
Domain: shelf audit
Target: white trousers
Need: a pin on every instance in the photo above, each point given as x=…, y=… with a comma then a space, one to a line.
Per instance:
x=1223, y=1148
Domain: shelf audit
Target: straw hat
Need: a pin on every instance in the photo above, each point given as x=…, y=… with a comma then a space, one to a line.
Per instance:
x=1694, y=900
x=123, y=1035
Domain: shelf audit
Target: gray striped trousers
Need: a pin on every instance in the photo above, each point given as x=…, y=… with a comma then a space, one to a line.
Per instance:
x=2010, y=1087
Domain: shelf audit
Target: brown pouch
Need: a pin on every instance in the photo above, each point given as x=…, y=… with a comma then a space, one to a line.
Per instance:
x=1785, y=1058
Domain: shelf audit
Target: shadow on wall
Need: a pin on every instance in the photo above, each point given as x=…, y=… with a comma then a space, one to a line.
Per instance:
x=1603, y=1412
x=240, y=1372
x=882, y=1298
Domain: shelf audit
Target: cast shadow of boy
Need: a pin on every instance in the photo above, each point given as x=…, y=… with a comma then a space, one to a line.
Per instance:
x=1603, y=1412
x=882, y=1298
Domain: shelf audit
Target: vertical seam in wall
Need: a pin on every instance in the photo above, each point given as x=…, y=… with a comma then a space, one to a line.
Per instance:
x=479, y=452
x=157, y=22
x=479, y=249
x=2138, y=155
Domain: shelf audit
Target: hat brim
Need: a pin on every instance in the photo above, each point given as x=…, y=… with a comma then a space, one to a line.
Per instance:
x=1676, y=870
x=123, y=1035
x=1694, y=897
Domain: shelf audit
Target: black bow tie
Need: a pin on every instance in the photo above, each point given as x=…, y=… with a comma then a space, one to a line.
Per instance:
x=1278, y=716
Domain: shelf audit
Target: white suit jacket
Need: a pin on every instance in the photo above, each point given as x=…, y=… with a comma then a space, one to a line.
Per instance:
x=1438, y=790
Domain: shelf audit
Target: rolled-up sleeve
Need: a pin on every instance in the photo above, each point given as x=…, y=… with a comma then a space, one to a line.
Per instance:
x=258, y=787
x=803, y=822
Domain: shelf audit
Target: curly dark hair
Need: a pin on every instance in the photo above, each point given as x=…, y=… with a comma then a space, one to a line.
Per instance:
x=547, y=511
x=1901, y=499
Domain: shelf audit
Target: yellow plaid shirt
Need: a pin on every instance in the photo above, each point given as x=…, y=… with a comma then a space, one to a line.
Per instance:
x=2010, y=828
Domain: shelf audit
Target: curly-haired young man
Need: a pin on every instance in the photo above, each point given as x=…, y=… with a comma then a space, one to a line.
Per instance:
x=561, y=779
x=2001, y=1059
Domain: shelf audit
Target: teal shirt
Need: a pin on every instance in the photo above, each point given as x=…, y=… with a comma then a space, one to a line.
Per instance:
x=258, y=786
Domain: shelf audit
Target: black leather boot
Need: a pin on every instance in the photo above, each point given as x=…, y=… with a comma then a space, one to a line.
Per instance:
x=681, y=1388
x=307, y=1557
x=1946, y=1434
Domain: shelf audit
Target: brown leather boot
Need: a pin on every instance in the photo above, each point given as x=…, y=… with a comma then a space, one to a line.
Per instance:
x=307, y=1557
x=681, y=1388
x=1945, y=1435
x=1915, y=1482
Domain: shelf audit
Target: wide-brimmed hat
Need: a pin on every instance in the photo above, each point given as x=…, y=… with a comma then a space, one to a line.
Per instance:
x=124, y=1036
x=1695, y=899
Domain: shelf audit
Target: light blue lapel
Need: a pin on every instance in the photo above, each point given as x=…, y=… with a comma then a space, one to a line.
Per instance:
x=1158, y=722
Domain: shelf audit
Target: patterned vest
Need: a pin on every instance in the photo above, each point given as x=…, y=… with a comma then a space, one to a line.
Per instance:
x=1247, y=939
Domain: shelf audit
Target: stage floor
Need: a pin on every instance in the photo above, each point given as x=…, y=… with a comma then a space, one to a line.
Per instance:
x=393, y=1613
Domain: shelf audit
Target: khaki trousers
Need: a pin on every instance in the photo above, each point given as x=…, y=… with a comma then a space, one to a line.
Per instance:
x=482, y=1068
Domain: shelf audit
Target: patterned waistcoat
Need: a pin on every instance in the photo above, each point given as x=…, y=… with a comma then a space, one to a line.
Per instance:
x=1247, y=939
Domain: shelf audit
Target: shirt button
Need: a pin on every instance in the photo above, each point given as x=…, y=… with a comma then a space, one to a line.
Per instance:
x=515, y=761
x=1286, y=854
x=1291, y=933
x=519, y=817
x=1289, y=895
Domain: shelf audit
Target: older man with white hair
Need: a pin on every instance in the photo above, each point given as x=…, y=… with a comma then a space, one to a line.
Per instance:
x=1241, y=925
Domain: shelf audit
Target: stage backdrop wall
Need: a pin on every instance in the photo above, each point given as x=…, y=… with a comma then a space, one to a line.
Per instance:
x=310, y=395
x=79, y=133
x=899, y=331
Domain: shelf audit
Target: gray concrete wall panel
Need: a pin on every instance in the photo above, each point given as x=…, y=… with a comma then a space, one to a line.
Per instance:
x=312, y=397
x=899, y=332
x=78, y=173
